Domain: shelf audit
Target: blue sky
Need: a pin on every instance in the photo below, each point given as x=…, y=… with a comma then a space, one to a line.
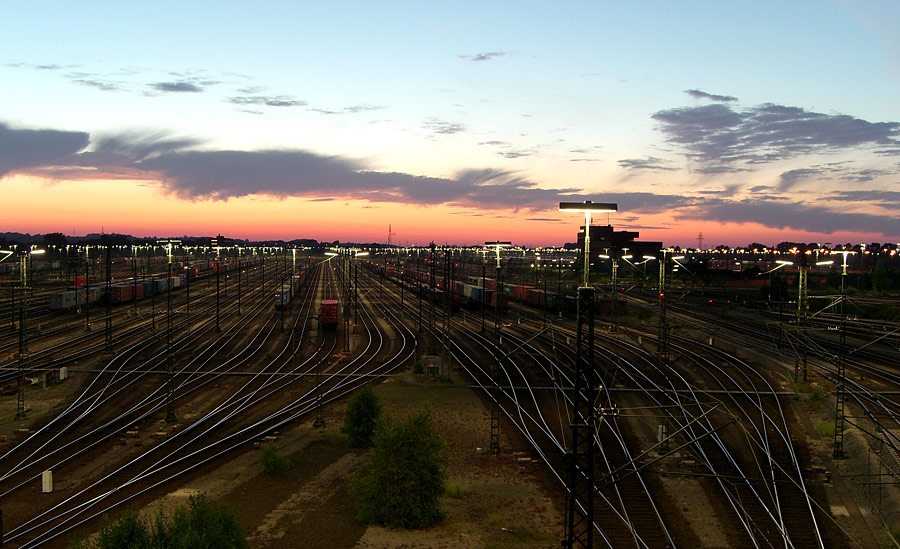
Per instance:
x=746, y=121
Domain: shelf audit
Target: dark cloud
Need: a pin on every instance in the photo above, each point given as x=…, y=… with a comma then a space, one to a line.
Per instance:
x=649, y=163
x=759, y=188
x=495, y=143
x=791, y=215
x=699, y=94
x=889, y=199
x=193, y=174
x=545, y=219
x=25, y=149
x=788, y=179
x=443, y=127
x=483, y=56
x=177, y=87
x=865, y=175
x=767, y=133
x=267, y=100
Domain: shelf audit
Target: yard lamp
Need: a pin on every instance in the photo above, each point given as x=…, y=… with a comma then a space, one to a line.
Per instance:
x=580, y=482
x=497, y=245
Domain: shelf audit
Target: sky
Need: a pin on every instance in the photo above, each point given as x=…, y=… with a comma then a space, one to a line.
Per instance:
x=457, y=122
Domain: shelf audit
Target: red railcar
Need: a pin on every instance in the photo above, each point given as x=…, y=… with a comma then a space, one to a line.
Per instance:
x=328, y=313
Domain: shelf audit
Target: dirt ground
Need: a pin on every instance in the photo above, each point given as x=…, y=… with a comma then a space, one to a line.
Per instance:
x=502, y=502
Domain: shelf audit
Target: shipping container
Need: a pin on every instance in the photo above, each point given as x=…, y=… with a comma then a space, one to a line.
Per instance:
x=160, y=284
x=63, y=300
x=120, y=293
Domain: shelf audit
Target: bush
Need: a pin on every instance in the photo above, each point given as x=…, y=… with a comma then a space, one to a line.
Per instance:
x=405, y=480
x=418, y=368
x=361, y=416
x=203, y=523
x=271, y=460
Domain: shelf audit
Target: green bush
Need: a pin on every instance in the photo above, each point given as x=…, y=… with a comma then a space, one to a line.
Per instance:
x=361, y=416
x=202, y=524
x=418, y=368
x=271, y=460
x=405, y=479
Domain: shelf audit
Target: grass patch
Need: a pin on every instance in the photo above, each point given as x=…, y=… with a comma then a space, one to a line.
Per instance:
x=825, y=429
x=454, y=490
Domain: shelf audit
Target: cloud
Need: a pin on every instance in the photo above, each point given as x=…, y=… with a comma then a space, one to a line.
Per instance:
x=24, y=149
x=176, y=87
x=483, y=56
x=99, y=84
x=649, y=163
x=888, y=199
x=353, y=109
x=720, y=135
x=790, y=215
x=790, y=178
x=712, y=97
x=267, y=100
x=443, y=127
x=514, y=154
x=728, y=190
x=865, y=175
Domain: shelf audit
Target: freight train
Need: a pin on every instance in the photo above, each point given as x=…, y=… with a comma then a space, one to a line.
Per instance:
x=131, y=290
x=288, y=290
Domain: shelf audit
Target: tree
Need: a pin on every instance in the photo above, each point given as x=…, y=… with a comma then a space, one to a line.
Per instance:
x=201, y=524
x=405, y=479
x=55, y=239
x=361, y=416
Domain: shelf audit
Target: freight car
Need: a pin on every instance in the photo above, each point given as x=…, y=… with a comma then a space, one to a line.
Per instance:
x=328, y=314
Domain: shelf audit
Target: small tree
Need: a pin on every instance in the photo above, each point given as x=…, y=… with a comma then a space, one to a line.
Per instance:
x=405, y=480
x=361, y=416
